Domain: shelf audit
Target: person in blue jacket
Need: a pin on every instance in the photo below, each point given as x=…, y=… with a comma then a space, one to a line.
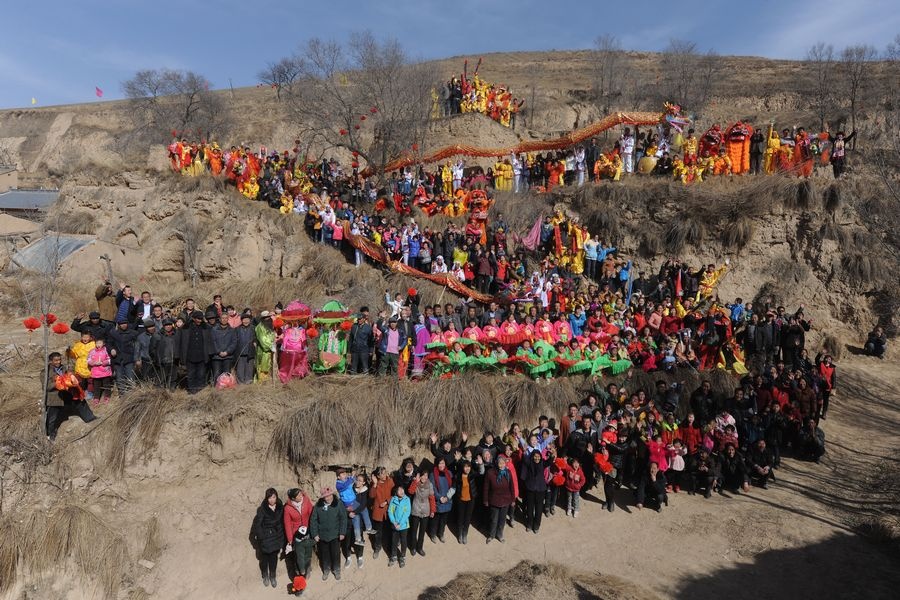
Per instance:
x=399, y=510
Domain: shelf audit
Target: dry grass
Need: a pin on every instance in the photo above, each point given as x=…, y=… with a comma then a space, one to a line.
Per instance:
x=803, y=199
x=138, y=423
x=366, y=418
x=531, y=580
x=833, y=198
x=687, y=229
x=154, y=544
x=11, y=552
x=71, y=532
x=738, y=232
x=79, y=222
x=861, y=267
x=832, y=345
x=834, y=231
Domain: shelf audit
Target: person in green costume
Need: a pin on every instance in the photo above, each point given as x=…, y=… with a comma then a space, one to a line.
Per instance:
x=265, y=346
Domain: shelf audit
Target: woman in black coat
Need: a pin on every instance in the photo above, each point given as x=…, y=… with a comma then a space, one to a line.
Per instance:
x=268, y=532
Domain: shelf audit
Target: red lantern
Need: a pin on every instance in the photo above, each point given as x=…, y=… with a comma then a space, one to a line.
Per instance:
x=356, y=127
x=277, y=322
x=296, y=142
x=415, y=147
x=299, y=583
x=355, y=154
x=61, y=328
x=31, y=323
x=362, y=118
x=50, y=318
x=373, y=110
x=312, y=332
x=295, y=149
x=412, y=292
x=354, y=164
x=346, y=325
x=343, y=132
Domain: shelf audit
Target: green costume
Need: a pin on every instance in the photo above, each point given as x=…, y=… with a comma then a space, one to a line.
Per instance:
x=265, y=345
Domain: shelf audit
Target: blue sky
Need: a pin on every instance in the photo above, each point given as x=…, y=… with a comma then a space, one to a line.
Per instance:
x=56, y=52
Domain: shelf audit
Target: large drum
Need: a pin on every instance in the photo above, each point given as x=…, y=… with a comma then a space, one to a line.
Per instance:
x=647, y=164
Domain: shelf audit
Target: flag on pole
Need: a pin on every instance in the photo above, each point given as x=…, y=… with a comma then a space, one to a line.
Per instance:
x=33, y=101
x=678, y=287
x=98, y=91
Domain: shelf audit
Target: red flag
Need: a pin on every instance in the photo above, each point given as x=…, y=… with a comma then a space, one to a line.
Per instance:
x=678, y=292
x=98, y=91
x=533, y=239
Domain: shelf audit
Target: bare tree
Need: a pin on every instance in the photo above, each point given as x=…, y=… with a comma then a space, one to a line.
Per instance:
x=856, y=69
x=193, y=232
x=708, y=68
x=609, y=67
x=679, y=72
x=176, y=100
x=281, y=74
x=820, y=62
x=367, y=97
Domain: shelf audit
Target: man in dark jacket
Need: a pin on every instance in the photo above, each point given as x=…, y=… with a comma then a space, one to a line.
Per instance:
x=532, y=479
x=165, y=349
x=757, y=149
x=224, y=345
x=143, y=363
x=327, y=526
x=703, y=403
x=362, y=342
x=498, y=496
x=59, y=403
x=196, y=348
x=121, y=341
x=704, y=471
x=245, y=354
x=95, y=326
x=810, y=441
x=761, y=464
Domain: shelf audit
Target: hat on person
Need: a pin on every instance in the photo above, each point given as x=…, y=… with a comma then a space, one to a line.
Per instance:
x=94, y=315
x=265, y=314
x=149, y=323
x=246, y=315
x=168, y=322
x=120, y=320
x=326, y=491
x=211, y=314
x=197, y=315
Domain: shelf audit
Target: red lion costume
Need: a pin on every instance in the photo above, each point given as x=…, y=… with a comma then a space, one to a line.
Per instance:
x=711, y=141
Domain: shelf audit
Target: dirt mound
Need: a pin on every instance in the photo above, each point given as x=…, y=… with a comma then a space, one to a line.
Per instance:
x=531, y=580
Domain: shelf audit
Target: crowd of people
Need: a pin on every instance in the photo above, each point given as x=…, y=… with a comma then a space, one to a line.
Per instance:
x=620, y=446
x=475, y=95
x=672, y=322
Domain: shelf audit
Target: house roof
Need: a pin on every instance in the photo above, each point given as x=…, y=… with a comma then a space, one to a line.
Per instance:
x=28, y=199
x=48, y=253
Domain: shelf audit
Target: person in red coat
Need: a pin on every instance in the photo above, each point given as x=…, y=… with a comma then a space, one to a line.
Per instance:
x=498, y=495
x=691, y=434
x=296, y=527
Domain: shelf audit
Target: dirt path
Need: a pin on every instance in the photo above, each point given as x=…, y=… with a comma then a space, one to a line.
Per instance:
x=793, y=539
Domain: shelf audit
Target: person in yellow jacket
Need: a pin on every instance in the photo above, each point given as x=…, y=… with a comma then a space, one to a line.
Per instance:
x=79, y=353
x=706, y=164
x=690, y=146
x=499, y=175
x=773, y=147
x=447, y=178
x=710, y=279
x=250, y=189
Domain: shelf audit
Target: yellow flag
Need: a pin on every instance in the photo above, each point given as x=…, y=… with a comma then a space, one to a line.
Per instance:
x=33, y=101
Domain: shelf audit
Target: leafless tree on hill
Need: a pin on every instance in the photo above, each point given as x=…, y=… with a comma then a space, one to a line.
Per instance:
x=688, y=78
x=820, y=62
x=856, y=72
x=181, y=101
x=609, y=71
x=281, y=74
x=367, y=97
